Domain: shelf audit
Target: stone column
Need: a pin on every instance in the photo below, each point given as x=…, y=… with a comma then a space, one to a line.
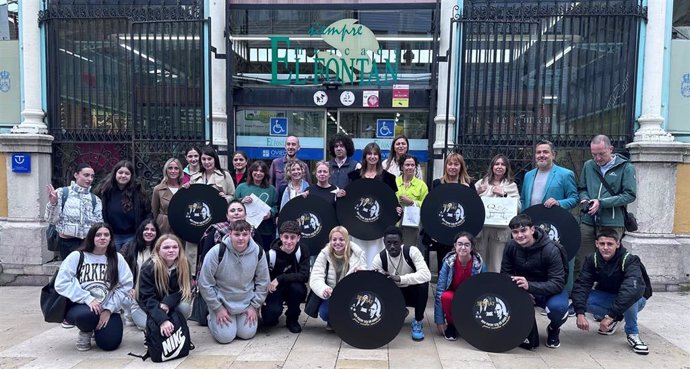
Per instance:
x=443, y=98
x=219, y=117
x=651, y=120
x=30, y=52
x=23, y=251
x=657, y=158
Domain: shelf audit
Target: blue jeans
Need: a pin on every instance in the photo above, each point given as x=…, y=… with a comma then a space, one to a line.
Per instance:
x=556, y=307
x=121, y=239
x=599, y=303
x=323, y=310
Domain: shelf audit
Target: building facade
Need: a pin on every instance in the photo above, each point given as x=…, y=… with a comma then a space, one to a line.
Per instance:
x=144, y=80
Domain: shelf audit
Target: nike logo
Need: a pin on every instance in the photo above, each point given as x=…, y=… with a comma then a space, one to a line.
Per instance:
x=173, y=345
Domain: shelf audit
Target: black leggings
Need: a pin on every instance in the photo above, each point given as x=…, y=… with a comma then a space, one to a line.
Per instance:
x=108, y=338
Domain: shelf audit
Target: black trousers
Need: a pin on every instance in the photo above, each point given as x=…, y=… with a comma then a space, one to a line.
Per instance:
x=416, y=296
x=292, y=294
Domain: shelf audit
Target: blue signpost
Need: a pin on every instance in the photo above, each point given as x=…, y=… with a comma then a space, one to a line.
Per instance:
x=21, y=163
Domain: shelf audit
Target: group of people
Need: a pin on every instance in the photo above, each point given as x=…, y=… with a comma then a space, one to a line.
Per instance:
x=247, y=274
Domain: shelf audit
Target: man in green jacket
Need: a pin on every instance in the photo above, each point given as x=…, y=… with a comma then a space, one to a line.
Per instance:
x=599, y=206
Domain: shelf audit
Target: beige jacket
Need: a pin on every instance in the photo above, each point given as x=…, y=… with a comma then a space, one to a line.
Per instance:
x=218, y=181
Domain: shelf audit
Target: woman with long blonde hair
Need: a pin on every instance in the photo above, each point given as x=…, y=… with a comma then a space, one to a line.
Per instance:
x=338, y=259
x=165, y=283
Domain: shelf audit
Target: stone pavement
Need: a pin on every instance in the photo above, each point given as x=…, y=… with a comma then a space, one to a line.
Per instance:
x=27, y=342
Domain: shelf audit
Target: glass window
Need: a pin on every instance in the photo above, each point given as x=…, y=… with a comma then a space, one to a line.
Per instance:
x=262, y=132
x=402, y=53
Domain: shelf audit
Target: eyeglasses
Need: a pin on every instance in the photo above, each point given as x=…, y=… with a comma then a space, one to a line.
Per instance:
x=464, y=245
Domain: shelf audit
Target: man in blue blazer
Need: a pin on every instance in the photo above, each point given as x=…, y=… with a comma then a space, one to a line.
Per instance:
x=548, y=184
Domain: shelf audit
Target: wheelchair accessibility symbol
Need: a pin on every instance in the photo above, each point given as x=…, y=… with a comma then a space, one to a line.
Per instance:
x=278, y=126
x=385, y=128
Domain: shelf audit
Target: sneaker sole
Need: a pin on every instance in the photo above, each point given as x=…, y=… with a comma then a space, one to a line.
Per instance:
x=553, y=346
x=417, y=339
x=641, y=352
x=79, y=348
x=450, y=338
x=67, y=326
x=608, y=333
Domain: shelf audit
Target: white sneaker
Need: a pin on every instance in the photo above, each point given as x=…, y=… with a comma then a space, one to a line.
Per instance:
x=637, y=345
x=84, y=341
x=67, y=325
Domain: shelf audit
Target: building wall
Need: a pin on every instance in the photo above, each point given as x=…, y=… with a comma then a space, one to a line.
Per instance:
x=681, y=224
x=3, y=185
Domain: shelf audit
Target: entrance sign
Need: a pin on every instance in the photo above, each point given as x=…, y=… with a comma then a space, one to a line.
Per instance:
x=350, y=56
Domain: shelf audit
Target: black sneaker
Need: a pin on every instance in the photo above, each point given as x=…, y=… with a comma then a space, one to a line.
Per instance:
x=294, y=327
x=532, y=340
x=552, y=340
x=451, y=334
x=610, y=331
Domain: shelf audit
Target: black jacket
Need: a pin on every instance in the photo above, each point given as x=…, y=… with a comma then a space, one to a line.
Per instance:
x=385, y=177
x=149, y=298
x=286, y=268
x=140, y=206
x=611, y=276
x=541, y=264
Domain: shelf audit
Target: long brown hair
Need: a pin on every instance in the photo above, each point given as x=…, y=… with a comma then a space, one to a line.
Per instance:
x=160, y=269
x=113, y=274
x=490, y=176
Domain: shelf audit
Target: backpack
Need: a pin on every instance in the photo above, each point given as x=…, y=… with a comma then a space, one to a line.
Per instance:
x=271, y=256
x=406, y=256
x=54, y=306
x=51, y=233
x=161, y=348
x=199, y=306
x=647, y=294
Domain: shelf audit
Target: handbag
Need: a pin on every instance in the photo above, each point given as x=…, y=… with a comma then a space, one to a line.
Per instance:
x=311, y=307
x=54, y=306
x=629, y=219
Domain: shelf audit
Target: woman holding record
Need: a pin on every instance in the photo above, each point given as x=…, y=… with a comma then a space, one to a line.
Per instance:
x=498, y=182
x=454, y=171
x=458, y=266
x=338, y=259
x=373, y=169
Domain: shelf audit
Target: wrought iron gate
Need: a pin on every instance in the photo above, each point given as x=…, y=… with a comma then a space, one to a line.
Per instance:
x=560, y=70
x=124, y=82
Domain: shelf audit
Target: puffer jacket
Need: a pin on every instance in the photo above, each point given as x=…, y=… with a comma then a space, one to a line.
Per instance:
x=624, y=281
x=445, y=278
x=541, y=264
x=82, y=210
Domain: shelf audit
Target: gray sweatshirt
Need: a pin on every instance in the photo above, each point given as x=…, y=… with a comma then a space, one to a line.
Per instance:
x=92, y=283
x=240, y=281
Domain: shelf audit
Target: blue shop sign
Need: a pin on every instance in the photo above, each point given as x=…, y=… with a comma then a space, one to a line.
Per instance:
x=21, y=163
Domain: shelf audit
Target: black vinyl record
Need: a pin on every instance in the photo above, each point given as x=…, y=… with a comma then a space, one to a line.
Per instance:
x=559, y=224
x=367, y=310
x=315, y=216
x=492, y=313
x=194, y=209
x=367, y=209
x=449, y=209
